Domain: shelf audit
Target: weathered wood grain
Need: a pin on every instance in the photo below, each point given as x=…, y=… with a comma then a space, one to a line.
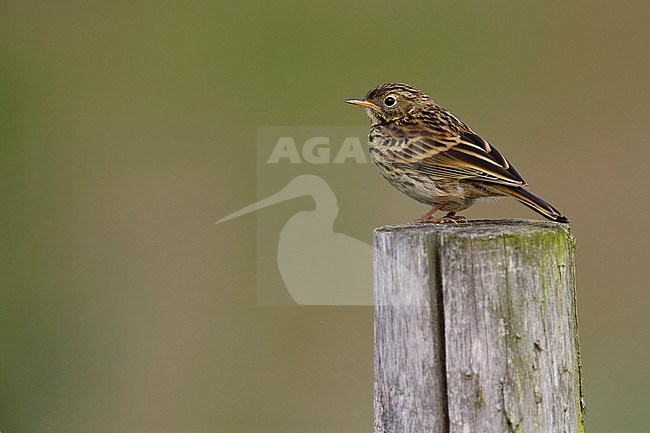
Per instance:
x=476, y=328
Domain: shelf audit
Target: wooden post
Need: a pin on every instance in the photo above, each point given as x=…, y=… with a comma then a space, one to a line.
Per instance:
x=476, y=328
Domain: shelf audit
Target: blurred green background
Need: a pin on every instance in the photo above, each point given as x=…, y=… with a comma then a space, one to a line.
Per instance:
x=129, y=127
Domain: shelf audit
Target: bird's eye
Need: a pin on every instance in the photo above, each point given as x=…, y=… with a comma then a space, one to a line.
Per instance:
x=389, y=101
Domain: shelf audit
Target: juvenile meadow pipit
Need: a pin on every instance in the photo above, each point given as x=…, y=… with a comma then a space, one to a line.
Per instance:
x=431, y=156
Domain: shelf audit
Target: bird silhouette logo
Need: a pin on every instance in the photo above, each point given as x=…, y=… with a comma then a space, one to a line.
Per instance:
x=318, y=265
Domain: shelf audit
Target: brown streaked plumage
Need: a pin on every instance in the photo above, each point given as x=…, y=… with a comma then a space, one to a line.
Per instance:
x=430, y=155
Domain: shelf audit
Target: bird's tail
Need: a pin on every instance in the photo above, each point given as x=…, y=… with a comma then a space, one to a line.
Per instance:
x=532, y=201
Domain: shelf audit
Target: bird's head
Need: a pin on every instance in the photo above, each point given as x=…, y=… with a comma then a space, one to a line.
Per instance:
x=390, y=102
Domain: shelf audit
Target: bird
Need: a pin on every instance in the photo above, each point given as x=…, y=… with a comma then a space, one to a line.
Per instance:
x=430, y=155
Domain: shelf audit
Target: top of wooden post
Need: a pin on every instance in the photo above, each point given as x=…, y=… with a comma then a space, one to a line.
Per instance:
x=482, y=227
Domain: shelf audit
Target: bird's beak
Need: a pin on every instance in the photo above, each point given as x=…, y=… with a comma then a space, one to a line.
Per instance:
x=362, y=103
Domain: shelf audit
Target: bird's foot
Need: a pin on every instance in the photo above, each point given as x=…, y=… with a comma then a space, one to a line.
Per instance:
x=451, y=217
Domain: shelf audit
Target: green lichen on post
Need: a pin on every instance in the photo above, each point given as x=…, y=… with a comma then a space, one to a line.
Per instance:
x=559, y=244
x=578, y=358
x=544, y=252
x=479, y=397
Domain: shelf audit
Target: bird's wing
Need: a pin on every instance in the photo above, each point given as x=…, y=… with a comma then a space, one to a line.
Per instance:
x=450, y=154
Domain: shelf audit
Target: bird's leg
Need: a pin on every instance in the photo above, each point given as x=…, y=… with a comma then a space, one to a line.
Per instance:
x=451, y=216
x=427, y=217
